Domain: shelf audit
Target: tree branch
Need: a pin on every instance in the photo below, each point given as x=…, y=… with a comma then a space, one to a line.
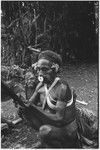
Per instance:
x=14, y=21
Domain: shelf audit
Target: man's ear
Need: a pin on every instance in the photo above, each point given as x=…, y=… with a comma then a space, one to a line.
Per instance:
x=55, y=66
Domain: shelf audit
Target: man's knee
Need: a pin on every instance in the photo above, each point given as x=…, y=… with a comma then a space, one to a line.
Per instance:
x=45, y=130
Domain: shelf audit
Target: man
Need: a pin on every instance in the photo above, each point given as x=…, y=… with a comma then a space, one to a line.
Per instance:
x=57, y=102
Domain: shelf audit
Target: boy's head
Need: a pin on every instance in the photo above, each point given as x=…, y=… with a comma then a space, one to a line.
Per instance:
x=48, y=65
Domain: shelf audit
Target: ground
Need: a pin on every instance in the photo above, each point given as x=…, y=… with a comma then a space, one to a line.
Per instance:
x=82, y=77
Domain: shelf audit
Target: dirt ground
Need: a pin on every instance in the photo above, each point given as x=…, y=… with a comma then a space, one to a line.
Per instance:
x=82, y=77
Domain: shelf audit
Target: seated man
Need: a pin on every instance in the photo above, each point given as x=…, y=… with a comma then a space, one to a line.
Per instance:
x=55, y=98
x=58, y=126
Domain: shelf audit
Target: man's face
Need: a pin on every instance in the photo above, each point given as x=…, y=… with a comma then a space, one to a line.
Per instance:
x=44, y=70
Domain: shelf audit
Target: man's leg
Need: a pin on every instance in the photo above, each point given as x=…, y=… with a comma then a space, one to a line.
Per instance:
x=58, y=138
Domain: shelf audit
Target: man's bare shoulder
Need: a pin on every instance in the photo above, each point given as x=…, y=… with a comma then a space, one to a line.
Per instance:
x=62, y=84
x=63, y=90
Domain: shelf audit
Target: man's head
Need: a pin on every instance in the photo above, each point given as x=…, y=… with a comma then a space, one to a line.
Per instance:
x=48, y=65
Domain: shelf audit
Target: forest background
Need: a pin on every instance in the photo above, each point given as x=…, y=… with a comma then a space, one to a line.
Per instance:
x=68, y=28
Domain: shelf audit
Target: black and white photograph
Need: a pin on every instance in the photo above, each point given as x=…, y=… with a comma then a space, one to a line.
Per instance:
x=49, y=74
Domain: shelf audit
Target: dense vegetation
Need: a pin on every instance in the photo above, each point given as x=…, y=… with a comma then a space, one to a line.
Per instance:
x=69, y=28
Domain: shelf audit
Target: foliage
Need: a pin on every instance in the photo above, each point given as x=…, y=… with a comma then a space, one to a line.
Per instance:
x=65, y=27
x=10, y=72
x=22, y=81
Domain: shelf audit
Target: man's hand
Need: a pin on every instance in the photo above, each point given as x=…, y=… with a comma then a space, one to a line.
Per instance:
x=40, y=84
x=27, y=103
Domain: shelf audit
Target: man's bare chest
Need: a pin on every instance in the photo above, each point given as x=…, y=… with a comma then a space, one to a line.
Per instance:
x=52, y=93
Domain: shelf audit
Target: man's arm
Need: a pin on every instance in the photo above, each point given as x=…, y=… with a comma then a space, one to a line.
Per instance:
x=64, y=96
x=35, y=97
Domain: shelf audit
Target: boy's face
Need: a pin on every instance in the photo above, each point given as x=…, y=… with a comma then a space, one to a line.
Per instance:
x=44, y=70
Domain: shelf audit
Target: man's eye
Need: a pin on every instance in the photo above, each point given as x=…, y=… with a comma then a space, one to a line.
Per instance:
x=38, y=68
x=42, y=68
